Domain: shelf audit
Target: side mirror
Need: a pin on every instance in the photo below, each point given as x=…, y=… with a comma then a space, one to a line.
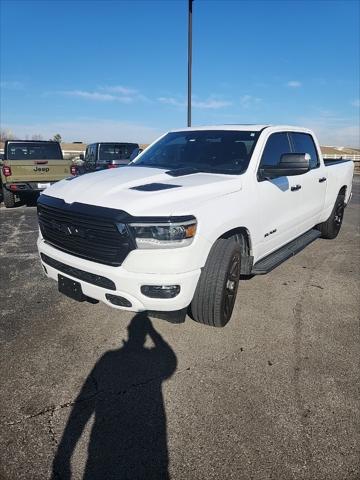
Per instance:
x=135, y=153
x=81, y=156
x=290, y=164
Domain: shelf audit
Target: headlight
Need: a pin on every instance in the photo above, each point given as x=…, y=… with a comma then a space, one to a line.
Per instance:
x=164, y=235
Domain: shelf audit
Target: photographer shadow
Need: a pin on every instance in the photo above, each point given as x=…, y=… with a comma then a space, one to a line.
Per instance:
x=123, y=392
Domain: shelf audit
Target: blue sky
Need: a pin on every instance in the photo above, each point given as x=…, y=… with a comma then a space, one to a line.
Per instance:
x=117, y=70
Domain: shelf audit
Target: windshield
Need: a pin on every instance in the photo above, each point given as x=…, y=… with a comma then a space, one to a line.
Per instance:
x=34, y=151
x=116, y=151
x=220, y=151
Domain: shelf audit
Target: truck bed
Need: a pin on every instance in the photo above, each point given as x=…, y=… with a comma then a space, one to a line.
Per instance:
x=334, y=161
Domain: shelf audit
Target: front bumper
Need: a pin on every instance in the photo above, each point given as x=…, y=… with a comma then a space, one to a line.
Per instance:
x=127, y=284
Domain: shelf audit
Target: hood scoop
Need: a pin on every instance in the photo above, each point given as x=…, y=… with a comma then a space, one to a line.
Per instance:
x=154, y=187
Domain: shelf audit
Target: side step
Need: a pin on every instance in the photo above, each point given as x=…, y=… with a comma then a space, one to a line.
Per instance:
x=273, y=260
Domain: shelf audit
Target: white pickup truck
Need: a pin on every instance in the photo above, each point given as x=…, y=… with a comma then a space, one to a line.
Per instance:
x=174, y=230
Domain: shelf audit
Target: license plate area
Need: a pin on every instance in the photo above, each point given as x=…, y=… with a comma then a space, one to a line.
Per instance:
x=70, y=288
x=44, y=185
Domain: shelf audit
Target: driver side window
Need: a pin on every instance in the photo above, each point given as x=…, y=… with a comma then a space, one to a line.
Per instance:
x=87, y=153
x=90, y=158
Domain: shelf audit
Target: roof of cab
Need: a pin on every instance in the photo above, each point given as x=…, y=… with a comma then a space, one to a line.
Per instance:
x=31, y=141
x=247, y=127
x=113, y=143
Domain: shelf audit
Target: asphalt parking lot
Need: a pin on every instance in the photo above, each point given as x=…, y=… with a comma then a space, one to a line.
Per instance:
x=90, y=392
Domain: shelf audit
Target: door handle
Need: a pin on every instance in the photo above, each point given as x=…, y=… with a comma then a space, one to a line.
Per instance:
x=295, y=187
x=322, y=179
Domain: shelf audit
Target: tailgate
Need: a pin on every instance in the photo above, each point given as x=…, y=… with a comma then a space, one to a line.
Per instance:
x=38, y=170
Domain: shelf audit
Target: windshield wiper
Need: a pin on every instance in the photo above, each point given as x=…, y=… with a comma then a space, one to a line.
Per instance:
x=150, y=165
x=178, y=172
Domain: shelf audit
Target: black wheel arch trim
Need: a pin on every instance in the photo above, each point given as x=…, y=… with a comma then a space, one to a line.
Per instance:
x=247, y=258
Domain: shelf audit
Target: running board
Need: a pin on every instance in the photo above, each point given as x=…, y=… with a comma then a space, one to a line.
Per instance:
x=273, y=260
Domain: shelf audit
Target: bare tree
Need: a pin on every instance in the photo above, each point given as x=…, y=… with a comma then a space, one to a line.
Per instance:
x=57, y=138
x=6, y=135
x=37, y=136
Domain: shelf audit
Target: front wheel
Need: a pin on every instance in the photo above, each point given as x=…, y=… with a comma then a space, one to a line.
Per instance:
x=216, y=290
x=331, y=227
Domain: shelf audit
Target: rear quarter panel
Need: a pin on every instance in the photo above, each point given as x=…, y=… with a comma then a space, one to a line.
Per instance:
x=338, y=175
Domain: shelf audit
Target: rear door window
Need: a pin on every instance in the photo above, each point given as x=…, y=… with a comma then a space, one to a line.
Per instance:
x=277, y=144
x=304, y=143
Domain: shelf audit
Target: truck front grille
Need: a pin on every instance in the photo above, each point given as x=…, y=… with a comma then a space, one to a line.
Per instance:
x=93, y=237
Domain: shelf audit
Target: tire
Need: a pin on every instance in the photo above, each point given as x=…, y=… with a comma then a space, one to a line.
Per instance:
x=332, y=226
x=216, y=290
x=9, y=198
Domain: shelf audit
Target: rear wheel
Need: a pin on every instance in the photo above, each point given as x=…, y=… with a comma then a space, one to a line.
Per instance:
x=216, y=290
x=331, y=227
x=9, y=198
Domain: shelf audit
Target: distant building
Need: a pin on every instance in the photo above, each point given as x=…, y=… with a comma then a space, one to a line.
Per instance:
x=73, y=150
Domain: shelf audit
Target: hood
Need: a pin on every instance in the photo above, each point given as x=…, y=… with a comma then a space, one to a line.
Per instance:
x=143, y=191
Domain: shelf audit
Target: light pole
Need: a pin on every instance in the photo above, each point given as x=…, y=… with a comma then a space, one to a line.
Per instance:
x=190, y=2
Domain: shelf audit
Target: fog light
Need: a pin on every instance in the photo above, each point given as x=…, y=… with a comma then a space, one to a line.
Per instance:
x=117, y=300
x=160, y=291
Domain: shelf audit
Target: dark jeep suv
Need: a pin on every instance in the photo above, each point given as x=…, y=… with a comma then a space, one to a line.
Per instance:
x=99, y=156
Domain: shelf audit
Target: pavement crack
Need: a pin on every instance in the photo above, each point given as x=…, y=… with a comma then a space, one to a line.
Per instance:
x=51, y=430
x=51, y=409
x=298, y=342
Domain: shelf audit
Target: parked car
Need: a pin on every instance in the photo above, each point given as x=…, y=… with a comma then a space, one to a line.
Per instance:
x=29, y=167
x=177, y=227
x=100, y=156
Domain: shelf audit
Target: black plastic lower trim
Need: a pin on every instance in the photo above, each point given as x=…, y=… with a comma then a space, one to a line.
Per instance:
x=176, y=316
x=265, y=265
x=92, y=278
x=118, y=301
